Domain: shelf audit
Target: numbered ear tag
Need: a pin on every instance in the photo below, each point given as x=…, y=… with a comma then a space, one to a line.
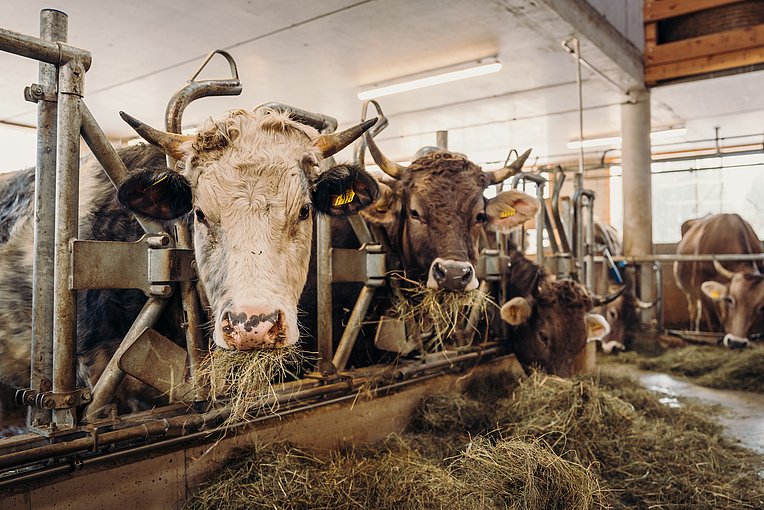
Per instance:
x=715, y=294
x=345, y=198
x=506, y=213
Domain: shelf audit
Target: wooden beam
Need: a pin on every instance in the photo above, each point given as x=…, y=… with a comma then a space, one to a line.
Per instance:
x=707, y=45
x=702, y=65
x=655, y=10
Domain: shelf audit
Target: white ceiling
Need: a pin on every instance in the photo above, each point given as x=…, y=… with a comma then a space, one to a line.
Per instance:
x=318, y=55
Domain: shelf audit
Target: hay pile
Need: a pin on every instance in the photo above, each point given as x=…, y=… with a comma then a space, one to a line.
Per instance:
x=246, y=378
x=715, y=367
x=539, y=443
x=488, y=475
x=439, y=312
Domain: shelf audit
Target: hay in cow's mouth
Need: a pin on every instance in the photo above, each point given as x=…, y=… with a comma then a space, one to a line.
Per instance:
x=438, y=313
x=246, y=378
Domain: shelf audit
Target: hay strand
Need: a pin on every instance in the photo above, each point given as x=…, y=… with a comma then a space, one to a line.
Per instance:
x=246, y=378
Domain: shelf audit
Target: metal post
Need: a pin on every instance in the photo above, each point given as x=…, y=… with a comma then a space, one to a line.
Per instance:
x=324, y=293
x=353, y=327
x=107, y=384
x=53, y=27
x=441, y=139
x=578, y=181
x=637, y=191
x=589, y=255
x=70, y=84
x=191, y=309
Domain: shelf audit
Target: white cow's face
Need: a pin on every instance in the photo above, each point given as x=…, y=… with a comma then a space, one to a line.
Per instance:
x=255, y=182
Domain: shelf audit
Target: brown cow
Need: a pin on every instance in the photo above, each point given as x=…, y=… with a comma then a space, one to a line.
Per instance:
x=550, y=318
x=434, y=211
x=730, y=296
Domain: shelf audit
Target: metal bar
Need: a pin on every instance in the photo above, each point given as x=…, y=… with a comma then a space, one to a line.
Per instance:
x=578, y=179
x=721, y=257
x=112, y=164
x=350, y=334
x=321, y=122
x=589, y=255
x=191, y=312
x=56, y=53
x=324, y=293
x=53, y=27
x=67, y=182
x=441, y=139
x=107, y=384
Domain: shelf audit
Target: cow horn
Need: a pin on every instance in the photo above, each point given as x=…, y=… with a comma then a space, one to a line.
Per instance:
x=643, y=305
x=501, y=174
x=331, y=144
x=169, y=142
x=388, y=166
x=598, y=300
x=723, y=270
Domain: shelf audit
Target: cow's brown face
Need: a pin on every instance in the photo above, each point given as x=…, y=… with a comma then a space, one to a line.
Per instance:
x=435, y=212
x=552, y=325
x=740, y=304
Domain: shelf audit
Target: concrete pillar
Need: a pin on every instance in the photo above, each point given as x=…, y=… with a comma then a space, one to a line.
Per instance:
x=637, y=188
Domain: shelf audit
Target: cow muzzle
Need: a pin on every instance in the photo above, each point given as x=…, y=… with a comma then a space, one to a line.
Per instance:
x=250, y=328
x=735, y=342
x=453, y=275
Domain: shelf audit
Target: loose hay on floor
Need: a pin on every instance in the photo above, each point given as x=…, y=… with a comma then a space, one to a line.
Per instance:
x=715, y=367
x=600, y=442
x=245, y=378
x=394, y=475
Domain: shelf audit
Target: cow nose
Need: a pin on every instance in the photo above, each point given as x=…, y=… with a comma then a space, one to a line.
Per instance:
x=735, y=342
x=452, y=275
x=248, y=328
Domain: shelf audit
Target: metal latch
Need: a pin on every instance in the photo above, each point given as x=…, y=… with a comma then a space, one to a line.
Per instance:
x=51, y=400
x=365, y=265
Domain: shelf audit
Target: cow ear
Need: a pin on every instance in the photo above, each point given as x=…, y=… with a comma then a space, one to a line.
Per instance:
x=343, y=190
x=516, y=311
x=163, y=195
x=386, y=209
x=509, y=210
x=597, y=327
x=714, y=290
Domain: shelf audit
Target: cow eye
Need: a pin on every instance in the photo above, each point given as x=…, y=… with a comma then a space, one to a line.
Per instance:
x=304, y=212
x=200, y=215
x=415, y=214
x=481, y=217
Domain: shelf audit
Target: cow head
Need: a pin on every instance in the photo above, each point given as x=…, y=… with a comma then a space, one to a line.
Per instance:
x=552, y=325
x=740, y=303
x=250, y=184
x=434, y=211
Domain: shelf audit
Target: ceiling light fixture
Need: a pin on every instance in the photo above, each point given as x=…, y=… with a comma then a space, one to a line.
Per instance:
x=442, y=75
x=616, y=140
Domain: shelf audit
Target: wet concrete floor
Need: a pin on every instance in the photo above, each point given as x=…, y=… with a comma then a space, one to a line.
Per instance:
x=741, y=413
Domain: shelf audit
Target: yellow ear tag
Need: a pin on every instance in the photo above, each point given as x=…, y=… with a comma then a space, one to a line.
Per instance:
x=507, y=213
x=345, y=198
x=715, y=294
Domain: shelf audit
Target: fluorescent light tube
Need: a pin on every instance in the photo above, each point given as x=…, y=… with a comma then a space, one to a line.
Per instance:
x=616, y=140
x=461, y=74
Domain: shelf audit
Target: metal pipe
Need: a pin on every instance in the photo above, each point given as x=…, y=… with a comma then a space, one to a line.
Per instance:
x=194, y=90
x=70, y=86
x=540, y=181
x=578, y=180
x=324, y=293
x=56, y=53
x=191, y=311
x=589, y=256
x=721, y=257
x=112, y=164
x=354, y=323
x=181, y=424
x=321, y=122
x=107, y=384
x=53, y=27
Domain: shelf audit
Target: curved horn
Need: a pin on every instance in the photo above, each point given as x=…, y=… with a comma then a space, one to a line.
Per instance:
x=603, y=300
x=643, y=305
x=501, y=174
x=388, y=166
x=723, y=271
x=169, y=142
x=333, y=143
